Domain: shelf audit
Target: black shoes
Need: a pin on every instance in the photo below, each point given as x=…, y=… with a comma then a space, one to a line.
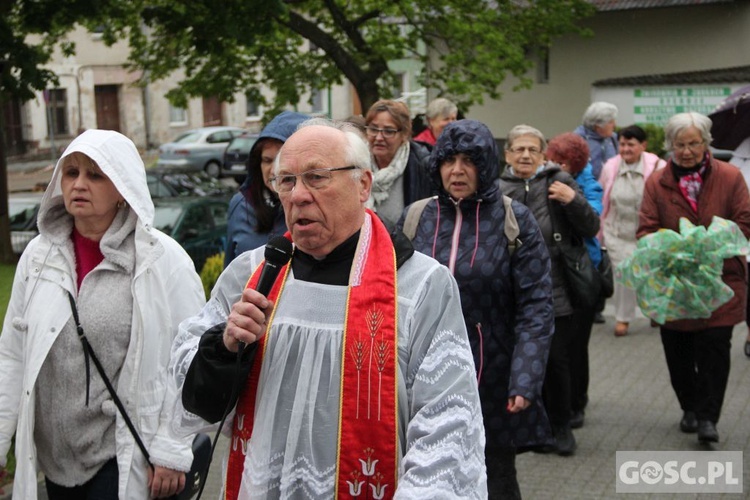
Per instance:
x=599, y=318
x=707, y=432
x=689, y=422
x=566, y=442
x=576, y=420
x=747, y=348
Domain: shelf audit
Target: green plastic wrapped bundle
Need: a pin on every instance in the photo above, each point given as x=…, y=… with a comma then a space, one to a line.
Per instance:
x=678, y=275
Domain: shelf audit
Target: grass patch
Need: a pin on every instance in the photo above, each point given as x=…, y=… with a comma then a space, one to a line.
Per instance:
x=6, y=283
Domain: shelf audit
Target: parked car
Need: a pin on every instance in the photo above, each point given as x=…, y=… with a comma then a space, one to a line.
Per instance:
x=23, y=209
x=236, y=155
x=198, y=224
x=198, y=149
x=170, y=182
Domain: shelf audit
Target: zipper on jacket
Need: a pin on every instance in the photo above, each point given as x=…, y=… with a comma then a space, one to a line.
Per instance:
x=454, y=239
x=526, y=194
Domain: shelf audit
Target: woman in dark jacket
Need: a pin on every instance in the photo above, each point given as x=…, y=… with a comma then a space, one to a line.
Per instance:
x=560, y=208
x=255, y=213
x=505, y=292
x=698, y=187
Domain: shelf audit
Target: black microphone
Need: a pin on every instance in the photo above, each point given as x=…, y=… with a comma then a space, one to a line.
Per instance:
x=278, y=252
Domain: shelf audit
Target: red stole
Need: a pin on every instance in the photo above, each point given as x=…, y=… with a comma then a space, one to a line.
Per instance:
x=367, y=454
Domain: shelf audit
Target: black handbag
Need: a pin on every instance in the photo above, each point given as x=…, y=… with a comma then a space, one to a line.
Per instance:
x=581, y=277
x=584, y=283
x=201, y=442
x=606, y=275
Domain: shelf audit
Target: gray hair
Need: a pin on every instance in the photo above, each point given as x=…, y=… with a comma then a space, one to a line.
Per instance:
x=520, y=130
x=440, y=107
x=599, y=113
x=681, y=121
x=357, y=151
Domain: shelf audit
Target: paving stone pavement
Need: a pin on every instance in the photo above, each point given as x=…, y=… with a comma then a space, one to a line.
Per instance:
x=632, y=408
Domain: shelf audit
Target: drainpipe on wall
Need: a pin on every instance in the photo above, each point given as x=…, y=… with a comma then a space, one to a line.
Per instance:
x=147, y=108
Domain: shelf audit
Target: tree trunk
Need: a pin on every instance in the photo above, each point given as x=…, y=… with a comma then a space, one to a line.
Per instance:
x=367, y=90
x=6, y=251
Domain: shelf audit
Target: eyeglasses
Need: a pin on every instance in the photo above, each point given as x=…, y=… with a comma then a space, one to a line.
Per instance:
x=314, y=179
x=388, y=133
x=522, y=150
x=693, y=146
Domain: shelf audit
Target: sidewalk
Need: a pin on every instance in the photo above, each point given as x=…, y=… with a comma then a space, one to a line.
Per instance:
x=632, y=407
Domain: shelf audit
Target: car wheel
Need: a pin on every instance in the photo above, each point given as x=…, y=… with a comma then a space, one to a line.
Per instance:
x=213, y=169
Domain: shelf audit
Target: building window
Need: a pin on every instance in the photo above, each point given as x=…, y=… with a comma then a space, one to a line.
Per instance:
x=177, y=116
x=542, y=66
x=57, y=103
x=318, y=101
x=399, y=87
x=252, y=107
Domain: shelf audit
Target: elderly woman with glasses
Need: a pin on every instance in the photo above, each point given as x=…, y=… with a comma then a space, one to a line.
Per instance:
x=399, y=165
x=563, y=214
x=697, y=186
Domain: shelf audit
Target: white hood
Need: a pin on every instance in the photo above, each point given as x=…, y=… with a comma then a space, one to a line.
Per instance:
x=119, y=159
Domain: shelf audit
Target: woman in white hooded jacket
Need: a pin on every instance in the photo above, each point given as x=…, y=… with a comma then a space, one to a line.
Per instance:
x=132, y=285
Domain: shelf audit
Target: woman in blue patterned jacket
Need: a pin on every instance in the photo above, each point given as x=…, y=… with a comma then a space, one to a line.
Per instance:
x=506, y=292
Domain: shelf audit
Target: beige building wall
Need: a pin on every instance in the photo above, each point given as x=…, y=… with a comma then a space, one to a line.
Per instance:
x=625, y=43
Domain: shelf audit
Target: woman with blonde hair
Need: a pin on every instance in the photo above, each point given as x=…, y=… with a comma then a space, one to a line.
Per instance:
x=399, y=165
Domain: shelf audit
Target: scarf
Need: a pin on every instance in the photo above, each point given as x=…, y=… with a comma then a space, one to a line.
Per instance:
x=690, y=181
x=384, y=178
x=367, y=453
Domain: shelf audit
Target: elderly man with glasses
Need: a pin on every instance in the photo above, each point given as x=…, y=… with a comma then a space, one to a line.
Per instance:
x=357, y=375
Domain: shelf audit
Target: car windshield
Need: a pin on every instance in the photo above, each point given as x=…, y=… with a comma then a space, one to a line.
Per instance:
x=241, y=144
x=166, y=216
x=188, y=138
x=21, y=212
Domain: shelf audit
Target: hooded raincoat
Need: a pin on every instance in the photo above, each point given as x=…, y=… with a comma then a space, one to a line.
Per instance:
x=506, y=299
x=165, y=290
x=242, y=232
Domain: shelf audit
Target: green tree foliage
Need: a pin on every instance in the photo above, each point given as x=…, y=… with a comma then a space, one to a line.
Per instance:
x=240, y=45
x=29, y=33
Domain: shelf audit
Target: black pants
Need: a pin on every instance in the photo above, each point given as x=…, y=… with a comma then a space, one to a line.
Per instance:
x=579, y=359
x=103, y=486
x=698, y=363
x=556, y=391
x=502, y=483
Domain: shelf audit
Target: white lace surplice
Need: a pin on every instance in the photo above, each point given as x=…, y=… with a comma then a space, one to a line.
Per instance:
x=292, y=453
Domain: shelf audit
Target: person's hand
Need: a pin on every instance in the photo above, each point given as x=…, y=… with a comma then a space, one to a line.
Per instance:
x=163, y=482
x=561, y=192
x=517, y=404
x=247, y=320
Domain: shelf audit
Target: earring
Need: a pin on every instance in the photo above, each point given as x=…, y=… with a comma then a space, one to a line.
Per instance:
x=121, y=204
